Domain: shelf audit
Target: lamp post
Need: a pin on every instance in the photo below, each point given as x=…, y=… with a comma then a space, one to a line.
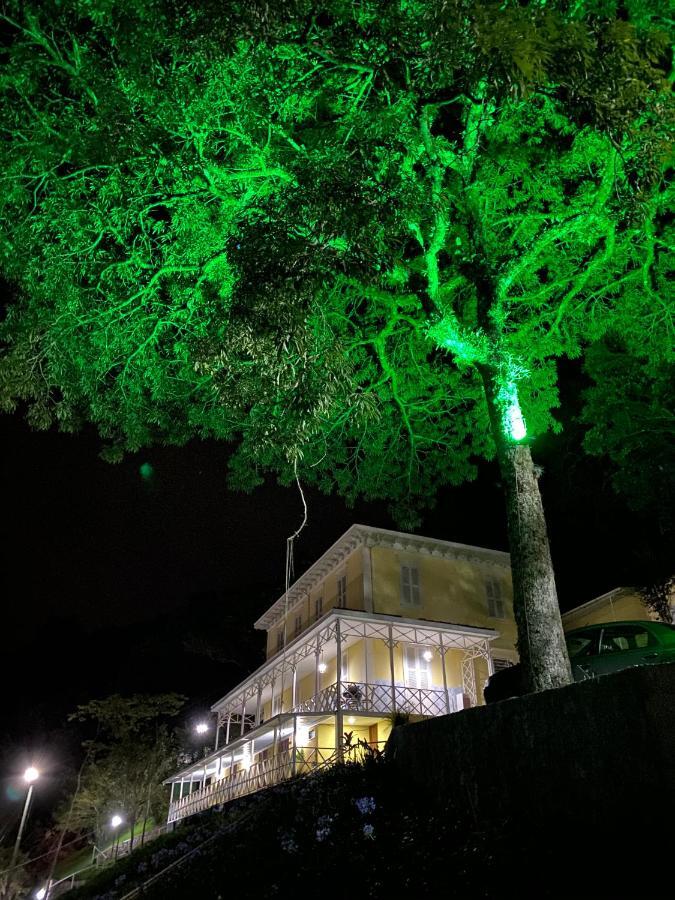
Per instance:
x=30, y=776
x=115, y=823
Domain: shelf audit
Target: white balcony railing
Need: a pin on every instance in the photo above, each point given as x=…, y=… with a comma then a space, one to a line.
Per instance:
x=265, y=773
x=380, y=698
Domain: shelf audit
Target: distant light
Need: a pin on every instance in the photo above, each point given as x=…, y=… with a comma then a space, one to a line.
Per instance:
x=41, y=894
x=30, y=775
x=202, y=728
x=428, y=655
x=116, y=821
x=146, y=470
x=322, y=667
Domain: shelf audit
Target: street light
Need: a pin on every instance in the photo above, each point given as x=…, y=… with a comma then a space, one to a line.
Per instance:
x=202, y=728
x=115, y=823
x=30, y=776
x=41, y=894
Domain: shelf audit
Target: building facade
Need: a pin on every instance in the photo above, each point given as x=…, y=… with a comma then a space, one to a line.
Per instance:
x=383, y=624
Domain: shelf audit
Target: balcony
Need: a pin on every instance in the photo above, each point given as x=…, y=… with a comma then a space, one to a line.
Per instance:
x=266, y=773
x=380, y=699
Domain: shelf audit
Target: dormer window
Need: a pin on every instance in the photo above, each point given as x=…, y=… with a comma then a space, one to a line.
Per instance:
x=280, y=640
x=298, y=626
x=318, y=607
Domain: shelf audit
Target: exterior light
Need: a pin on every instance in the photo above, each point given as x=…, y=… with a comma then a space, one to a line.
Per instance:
x=202, y=728
x=41, y=894
x=322, y=667
x=351, y=720
x=116, y=821
x=30, y=775
x=427, y=655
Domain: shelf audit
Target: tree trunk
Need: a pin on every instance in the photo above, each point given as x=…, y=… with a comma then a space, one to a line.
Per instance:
x=541, y=642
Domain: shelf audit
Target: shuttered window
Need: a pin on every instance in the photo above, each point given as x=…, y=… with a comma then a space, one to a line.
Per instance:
x=495, y=600
x=417, y=668
x=410, y=586
x=342, y=592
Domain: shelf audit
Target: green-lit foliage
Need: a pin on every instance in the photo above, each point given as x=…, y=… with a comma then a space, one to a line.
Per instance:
x=311, y=231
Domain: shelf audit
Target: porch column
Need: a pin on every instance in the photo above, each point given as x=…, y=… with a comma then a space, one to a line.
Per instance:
x=258, y=704
x=294, y=688
x=227, y=730
x=445, y=676
x=243, y=715
x=488, y=657
x=274, y=681
x=295, y=735
x=469, y=678
x=339, y=726
x=215, y=746
x=317, y=678
x=390, y=643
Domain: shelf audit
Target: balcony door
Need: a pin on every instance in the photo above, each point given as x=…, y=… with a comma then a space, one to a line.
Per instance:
x=417, y=666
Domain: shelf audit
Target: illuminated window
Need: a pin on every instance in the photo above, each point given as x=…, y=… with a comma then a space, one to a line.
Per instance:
x=417, y=666
x=495, y=601
x=410, y=586
x=342, y=591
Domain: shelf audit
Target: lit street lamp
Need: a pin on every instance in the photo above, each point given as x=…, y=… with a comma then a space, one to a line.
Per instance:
x=30, y=776
x=115, y=823
x=202, y=728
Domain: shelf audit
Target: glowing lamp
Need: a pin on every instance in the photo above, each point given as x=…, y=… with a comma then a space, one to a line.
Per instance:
x=202, y=728
x=351, y=720
x=427, y=655
x=322, y=667
x=30, y=775
x=116, y=821
x=41, y=894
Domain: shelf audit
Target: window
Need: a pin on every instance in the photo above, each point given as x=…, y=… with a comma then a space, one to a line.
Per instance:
x=298, y=626
x=318, y=607
x=495, y=601
x=499, y=664
x=342, y=591
x=625, y=637
x=410, y=586
x=280, y=640
x=417, y=666
x=583, y=643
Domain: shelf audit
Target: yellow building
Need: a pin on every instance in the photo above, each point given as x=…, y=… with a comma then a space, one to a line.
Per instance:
x=619, y=605
x=382, y=624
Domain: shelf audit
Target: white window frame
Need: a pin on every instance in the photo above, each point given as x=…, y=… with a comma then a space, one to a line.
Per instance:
x=496, y=608
x=411, y=596
x=417, y=669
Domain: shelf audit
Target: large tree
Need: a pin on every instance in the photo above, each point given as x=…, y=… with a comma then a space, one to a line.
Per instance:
x=354, y=238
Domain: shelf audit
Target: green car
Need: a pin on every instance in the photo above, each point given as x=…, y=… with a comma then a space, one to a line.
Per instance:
x=598, y=650
x=612, y=646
